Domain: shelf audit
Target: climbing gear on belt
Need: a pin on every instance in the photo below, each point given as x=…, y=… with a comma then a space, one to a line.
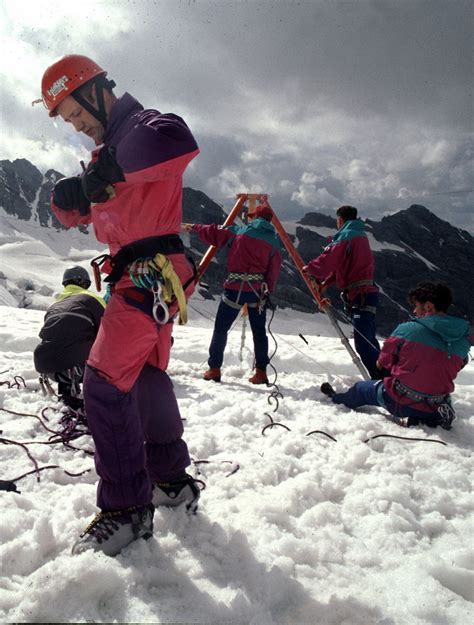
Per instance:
x=143, y=248
x=158, y=274
x=149, y=268
x=432, y=400
x=441, y=404
x=96, y=264
x=263, y=299
x=245, y=277
x=358, y=283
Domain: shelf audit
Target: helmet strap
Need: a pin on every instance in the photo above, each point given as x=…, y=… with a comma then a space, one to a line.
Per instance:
x=100, y=112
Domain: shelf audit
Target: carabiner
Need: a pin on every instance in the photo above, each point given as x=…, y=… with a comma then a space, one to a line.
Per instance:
x=161, y=313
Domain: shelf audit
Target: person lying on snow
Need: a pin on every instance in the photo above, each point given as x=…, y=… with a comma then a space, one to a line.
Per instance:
x=422, y=358
x=70, y=327
x=131, y=192
x=253, y=264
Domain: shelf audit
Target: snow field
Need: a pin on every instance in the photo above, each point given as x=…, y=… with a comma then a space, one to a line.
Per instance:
x=306, y=530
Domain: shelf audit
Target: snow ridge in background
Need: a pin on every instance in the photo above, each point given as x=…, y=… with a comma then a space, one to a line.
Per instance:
x=291, y=528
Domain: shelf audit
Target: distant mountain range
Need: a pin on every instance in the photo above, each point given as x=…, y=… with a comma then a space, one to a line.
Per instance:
x=410, y=246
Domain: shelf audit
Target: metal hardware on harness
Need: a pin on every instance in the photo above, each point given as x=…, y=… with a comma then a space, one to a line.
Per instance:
x=95, y=264
x=263, y=299
x=145, y=275
x=350, y=309
x=446, y=415
x=161, y=313
x=46, y=386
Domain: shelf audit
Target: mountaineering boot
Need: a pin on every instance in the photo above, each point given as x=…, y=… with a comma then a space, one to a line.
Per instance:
x=327, y=389
x=259, y=377
x=172, y=494
x=214, y=374
x=111, y=531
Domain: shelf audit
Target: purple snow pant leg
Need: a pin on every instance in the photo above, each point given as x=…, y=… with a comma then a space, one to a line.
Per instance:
x=167, y=454
x=119, y=431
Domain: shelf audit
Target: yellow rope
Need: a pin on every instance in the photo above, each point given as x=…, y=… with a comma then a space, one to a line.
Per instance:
x=172, y=287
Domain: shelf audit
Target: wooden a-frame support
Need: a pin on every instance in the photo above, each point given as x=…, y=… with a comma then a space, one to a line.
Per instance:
x=324, y=304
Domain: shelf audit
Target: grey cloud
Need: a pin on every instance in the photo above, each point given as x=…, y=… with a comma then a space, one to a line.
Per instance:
x=306, y=87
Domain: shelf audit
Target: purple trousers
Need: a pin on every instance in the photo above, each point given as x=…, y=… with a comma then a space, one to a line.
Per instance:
x=137, y=436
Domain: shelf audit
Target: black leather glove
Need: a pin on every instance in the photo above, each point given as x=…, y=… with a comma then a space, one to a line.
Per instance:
x=99, y=175
x=68, y=195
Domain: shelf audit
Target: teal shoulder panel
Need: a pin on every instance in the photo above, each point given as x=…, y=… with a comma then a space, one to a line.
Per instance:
x=416, y=332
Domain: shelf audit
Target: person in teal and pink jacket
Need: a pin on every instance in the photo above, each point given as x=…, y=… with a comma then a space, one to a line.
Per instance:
x=131, y=193
x=348, y=262
x=253, y=265
x=421, y=359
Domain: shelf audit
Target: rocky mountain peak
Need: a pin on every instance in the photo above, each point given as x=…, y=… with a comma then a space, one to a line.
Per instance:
x=409, y=246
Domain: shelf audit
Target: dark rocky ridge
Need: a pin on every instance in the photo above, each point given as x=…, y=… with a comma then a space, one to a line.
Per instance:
x=426, y=247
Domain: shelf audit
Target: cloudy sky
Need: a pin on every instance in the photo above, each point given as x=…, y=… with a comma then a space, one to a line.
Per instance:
x=317, y=103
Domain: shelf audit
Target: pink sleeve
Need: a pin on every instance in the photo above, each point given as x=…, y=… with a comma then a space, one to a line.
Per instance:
x=213, y=234
x=70, y=218
x=324, y=266
x=388, y=356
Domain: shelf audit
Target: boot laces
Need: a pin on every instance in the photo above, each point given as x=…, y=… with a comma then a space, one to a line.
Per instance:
x=103, y=525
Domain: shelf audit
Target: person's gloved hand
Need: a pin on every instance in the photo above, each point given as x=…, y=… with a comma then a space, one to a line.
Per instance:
x=100, y=175
x=68, y=195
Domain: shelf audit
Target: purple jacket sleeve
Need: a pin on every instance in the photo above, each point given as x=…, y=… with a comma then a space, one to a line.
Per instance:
x=213, y=234
x=273, y=271
x=158, y=147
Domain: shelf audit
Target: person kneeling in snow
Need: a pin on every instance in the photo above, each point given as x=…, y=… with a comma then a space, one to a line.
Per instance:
x=253, y=263
x=422, y=357
x=70, y=327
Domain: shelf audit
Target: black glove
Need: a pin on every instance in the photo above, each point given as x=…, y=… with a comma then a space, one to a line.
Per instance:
x=68, y=195
x=99, y=175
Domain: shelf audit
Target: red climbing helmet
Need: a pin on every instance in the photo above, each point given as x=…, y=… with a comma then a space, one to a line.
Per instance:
x=262, y=210
x=65, y=76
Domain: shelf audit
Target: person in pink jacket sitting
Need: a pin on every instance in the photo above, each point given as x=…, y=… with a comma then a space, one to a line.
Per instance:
x=421, y=357
x=131, y=193
x=253, y=263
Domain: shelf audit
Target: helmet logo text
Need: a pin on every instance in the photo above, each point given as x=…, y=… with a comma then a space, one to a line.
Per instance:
x=58, y=86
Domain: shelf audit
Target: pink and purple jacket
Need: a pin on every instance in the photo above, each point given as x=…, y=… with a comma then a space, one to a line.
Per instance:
x=346, y=261
x=153, y=150
x=425, y=355
x=254, y=249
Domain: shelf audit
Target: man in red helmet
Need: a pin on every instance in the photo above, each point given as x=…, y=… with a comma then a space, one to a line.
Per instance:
x=253, y=263
x=131, y=192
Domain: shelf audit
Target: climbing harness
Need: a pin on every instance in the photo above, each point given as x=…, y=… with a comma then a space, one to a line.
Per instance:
x=441, y=403
x=245, y=277
x=145, y=274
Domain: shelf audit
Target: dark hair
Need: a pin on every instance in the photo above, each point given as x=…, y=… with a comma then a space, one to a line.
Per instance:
x=347, y=212
x=439, y=294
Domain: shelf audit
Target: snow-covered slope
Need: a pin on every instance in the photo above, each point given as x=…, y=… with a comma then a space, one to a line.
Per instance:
x=292, y=528
x=33, y=259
